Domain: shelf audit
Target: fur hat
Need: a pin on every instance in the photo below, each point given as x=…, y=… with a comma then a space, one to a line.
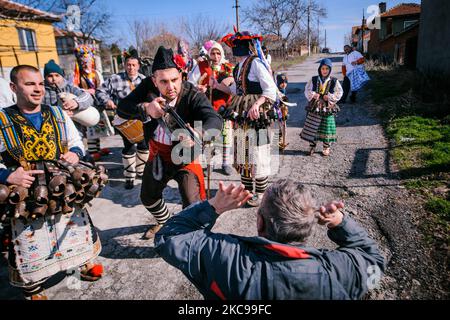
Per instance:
x=164, y=59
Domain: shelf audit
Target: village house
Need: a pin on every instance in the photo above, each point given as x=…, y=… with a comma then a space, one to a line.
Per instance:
x=397, y=39
x=26, y=37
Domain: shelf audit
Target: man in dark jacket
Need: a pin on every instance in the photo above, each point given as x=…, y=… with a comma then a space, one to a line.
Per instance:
x=277, y=264
x=149, y=103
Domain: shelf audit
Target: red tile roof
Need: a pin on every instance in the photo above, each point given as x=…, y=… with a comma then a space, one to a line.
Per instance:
x=17, y=10
x=402, y=9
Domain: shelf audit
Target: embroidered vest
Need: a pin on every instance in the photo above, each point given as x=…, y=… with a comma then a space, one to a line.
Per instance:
x=24, y=142
x=316, y=84
x=243, y=85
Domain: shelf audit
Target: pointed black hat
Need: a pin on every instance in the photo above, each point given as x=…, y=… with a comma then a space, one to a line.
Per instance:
x=164, y=59
x=133, y=52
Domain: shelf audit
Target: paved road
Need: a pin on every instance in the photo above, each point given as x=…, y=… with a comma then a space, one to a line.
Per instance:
x=359, y=171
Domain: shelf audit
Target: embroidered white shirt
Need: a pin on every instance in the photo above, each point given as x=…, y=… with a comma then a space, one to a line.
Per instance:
x=333, y=97
x=259, y=73
x=161, y=136
x=352, y=57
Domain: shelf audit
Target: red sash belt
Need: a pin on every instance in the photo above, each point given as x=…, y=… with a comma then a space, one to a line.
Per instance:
x=165, y=153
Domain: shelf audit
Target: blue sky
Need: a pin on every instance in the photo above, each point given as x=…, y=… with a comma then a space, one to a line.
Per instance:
x=342, y=14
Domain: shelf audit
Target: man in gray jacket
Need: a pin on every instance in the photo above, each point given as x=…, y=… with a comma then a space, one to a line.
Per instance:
x=277, y=264
x=55, y=84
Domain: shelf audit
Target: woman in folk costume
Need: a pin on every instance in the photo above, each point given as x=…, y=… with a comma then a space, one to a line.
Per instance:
x=216, y=69
x=254, y=93
x=322, y=92
x=88, y=78
x=188, y=62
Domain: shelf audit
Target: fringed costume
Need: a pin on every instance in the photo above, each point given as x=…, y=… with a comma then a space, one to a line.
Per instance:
x=251, y=138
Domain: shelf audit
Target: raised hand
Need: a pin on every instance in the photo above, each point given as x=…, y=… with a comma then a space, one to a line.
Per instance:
x=230, y=198
x=330, y=214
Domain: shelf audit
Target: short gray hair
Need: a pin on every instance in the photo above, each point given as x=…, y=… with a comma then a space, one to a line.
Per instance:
x=288, y=211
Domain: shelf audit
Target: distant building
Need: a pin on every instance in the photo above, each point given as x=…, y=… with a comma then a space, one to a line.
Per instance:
x=361, y=37
x=26, y=37
x=397, y=39
x=280, y=49
x=434, y=45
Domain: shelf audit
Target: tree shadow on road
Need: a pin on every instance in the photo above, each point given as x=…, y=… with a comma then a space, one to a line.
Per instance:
x=361, y=164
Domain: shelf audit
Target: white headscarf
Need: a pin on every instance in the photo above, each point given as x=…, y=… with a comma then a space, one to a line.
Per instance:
x=218, y=46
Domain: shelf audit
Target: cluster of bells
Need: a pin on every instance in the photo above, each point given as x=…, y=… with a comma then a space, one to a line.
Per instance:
x=60, y=190
x=321, y=108
x=264, y=121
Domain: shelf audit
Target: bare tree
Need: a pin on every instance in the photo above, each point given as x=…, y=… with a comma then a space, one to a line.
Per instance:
x=141, y=30
x=8, y=12
x=201, y=28
x=162, y=37
x=278, y=17
x=46, y=5
x=286, y=19
x=348, y=38
x=95, y=18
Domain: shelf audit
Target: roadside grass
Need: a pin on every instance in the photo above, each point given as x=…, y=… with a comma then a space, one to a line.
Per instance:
x=415, y=110
x=282, y=64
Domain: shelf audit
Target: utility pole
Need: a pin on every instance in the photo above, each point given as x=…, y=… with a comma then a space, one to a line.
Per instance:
x=326, y=38
x=237, y=14
x=309, y=28
x=318, y=32
x=363, y=26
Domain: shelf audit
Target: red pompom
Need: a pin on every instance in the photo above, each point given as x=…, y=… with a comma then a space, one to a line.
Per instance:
x=179, y=61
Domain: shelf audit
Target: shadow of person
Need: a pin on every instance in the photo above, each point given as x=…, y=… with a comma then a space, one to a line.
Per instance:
x=295, y=153
x=126, y=243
